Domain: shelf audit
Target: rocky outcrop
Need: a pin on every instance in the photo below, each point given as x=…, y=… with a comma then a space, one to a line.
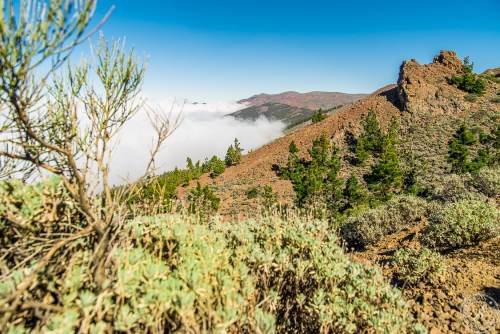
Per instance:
x=424, y=87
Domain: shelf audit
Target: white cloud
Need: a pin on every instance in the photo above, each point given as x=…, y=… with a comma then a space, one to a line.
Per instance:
x=205, y=131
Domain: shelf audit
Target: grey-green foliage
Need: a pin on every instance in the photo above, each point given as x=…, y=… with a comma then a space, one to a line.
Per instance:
x=487, y=181
x=173, y=273
x=372, y=225
x=30, y=209
x=462, y=224
x=412, y=266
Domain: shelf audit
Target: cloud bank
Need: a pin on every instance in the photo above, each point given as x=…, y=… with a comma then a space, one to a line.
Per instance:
x=205, y=131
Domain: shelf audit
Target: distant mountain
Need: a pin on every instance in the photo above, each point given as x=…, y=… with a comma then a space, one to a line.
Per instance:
x=311, y=100
x=275, y=112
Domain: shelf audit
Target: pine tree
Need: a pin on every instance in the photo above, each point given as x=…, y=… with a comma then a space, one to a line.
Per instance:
x=292, y=148
x=371, y=140
x=318, y=116
x=353, y=192
x=233, y=154
x=458, y=150
x=386, y=175
x=216, y=166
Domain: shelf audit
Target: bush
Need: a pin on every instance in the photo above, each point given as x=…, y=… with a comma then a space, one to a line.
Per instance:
x=171, y=273
x=487, y=181
x=371, y=226
x=202, y=201
x=252, y=193
x=468, y=81
x=462, y=224
x=414, y=266
x=453, y=188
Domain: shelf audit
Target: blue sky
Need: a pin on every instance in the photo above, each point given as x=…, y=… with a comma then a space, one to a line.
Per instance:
x=226, y=50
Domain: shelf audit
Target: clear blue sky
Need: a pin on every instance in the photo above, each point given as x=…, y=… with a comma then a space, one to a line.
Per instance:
x=225, y=50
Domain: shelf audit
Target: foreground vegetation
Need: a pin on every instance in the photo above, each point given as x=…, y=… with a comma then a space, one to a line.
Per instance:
x=175, y=272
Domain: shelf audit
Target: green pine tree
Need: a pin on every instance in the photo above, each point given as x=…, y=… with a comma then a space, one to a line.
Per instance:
x=458, y=150
x=386, y=176
x=353, y=192
x=233, y=154
x=371, y=140
x=318, y=116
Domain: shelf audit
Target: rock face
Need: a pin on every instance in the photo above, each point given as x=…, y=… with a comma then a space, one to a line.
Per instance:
x=424, y=87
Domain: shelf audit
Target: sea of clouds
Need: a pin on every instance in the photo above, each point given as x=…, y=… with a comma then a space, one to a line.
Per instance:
x=205, y=130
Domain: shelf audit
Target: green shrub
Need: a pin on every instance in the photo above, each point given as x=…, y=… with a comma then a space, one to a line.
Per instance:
x=252, y=193
x=371, y=226
x=487, y=181
x=469, y=81
x=353, y=192
x=462, y=224
x=269, y=197
x=31, y=210
x=171, y=273
x=202, y=201
x=413, y=266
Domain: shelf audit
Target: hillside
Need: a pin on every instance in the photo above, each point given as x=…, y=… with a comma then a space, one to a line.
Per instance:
x=275, y=112
x=311, y=100
x=430, y=111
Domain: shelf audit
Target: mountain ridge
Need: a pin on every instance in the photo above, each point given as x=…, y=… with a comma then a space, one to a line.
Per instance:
x=310, y=100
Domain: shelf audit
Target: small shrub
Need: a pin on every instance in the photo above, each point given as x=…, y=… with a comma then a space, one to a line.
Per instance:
x=462, y=224
x=414, y=266
x=487, y=181
x=495, y=99
x=202, y=201
x=453, y=188
x=252, y=193
x=269, y=198
x=353, y=193
x=371, y=226
x=471, y=97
